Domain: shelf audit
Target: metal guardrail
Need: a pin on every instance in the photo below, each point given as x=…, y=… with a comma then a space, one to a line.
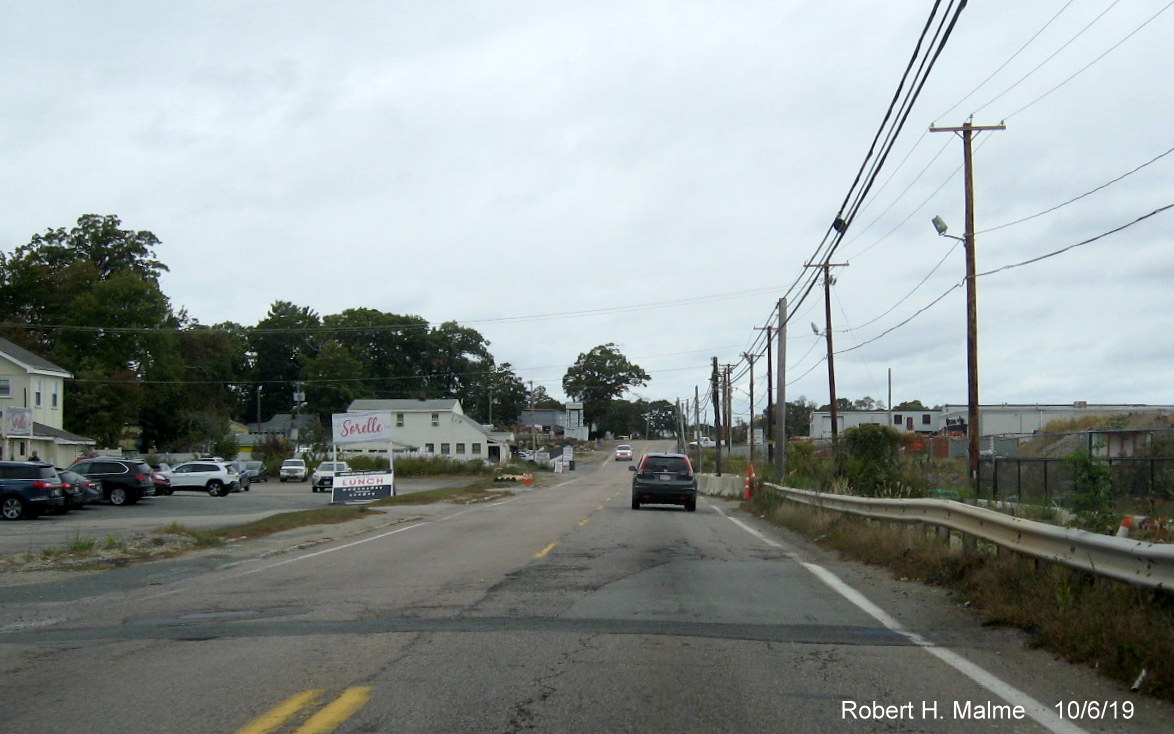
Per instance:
x=1132, y=561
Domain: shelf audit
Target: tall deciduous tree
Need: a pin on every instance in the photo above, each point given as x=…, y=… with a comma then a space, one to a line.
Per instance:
x=282, y=341
x=498, y=386
x=88, y=299
x=393, y=349
x=600, y=375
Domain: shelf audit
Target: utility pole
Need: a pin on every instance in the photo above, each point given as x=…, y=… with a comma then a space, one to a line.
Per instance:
x=770, y=403
x=727, y=385
x=717, y=414
x=827, y=301
x=534, y=438
x=750, y=433
x=781, y=406
x=972, y=428
x=697, y=423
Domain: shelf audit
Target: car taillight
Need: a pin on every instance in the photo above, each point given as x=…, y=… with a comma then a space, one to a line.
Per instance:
x=140, y=477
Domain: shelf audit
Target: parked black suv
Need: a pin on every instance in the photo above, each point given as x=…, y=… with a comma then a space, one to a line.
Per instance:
x=664, y=479
x=123, y=481
x=29, y=489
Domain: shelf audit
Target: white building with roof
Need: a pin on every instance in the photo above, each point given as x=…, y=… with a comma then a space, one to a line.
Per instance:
x=439, y=427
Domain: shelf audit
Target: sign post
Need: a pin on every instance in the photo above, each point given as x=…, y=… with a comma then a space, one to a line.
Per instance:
x=361, y=487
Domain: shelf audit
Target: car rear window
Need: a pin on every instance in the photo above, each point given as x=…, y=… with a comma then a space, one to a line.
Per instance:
x=28, y=472
x=670, y=464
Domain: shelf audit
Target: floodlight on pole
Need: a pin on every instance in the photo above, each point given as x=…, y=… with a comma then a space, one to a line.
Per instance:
x=940, y=225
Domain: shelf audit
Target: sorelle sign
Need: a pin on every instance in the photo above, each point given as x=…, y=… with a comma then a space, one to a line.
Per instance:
x=363, y=487
x=361, y=427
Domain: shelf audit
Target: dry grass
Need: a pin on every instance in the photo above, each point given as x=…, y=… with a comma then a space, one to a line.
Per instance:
x=1113, y=627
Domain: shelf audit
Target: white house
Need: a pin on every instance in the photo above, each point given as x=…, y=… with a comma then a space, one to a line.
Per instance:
x=437, y=427
x=32, y=401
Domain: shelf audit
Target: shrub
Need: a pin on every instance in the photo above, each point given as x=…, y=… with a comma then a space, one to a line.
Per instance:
x=873, y=466
x=1092, y=500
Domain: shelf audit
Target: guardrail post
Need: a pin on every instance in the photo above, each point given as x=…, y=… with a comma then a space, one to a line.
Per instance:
x=969, y=544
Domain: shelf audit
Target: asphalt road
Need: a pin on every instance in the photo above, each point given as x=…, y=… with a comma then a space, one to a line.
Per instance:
x=557, y=610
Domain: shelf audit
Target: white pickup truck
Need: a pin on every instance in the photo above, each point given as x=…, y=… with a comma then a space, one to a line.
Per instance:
x=705, y=441
x=322, y=480
x=292, y=470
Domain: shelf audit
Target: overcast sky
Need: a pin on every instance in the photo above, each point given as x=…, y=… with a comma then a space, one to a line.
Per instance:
x=560, y=175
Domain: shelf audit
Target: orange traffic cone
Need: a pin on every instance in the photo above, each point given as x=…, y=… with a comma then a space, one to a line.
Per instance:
x=748, y=487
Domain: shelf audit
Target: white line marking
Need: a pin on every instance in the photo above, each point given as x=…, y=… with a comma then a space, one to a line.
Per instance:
x=328, y=550
x=1042, y=714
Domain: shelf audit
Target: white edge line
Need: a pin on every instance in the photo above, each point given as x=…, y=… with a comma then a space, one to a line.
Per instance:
x=328, y=550
x=1033, y=708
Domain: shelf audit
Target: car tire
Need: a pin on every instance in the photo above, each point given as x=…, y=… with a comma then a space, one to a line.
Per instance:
x=635, y=504
x=216, y=488
x=691, y=506
x=118, y=497
x=13, y=508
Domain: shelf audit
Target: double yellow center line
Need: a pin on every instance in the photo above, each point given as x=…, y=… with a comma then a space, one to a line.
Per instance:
x=325, y=720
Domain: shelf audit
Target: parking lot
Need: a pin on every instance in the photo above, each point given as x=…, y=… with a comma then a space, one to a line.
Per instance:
x=195, y=510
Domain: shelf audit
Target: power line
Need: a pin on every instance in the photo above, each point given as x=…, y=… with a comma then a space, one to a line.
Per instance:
x=1078, y=198
x=1085, y=68
x=1011, y=266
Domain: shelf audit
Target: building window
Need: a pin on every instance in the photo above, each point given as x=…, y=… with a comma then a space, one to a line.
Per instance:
x=898, y=420
x=925, y=420
x=460, y=448
x=38, y=385
x=445, y=448
x=399, y=420
x=477, y=449
x=5, y=387
x=54, y=399
x=430, y=448
x=435, y=419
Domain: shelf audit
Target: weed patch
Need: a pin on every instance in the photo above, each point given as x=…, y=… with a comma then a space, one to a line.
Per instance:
x=1113, y=627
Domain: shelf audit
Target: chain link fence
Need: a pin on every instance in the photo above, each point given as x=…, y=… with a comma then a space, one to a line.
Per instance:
x=1047, y=481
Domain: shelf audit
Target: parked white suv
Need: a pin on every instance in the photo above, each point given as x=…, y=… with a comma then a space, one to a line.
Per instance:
x=292, y=470
x=322, y=480
x=214, y=477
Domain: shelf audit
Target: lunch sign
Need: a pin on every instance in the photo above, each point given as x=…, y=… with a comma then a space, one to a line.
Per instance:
x=360, y=487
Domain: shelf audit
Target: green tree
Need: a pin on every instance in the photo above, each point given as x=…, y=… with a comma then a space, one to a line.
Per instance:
x=88, y=299
x=457, y=356
x=501, y=386
x=600, y=375
x=541, y=399
x=334, y=378
x=799, y=417
x=200, y=373
x=281, y=343
x=392, y=349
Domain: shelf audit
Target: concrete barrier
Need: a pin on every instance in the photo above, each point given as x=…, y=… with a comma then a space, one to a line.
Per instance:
x=727, y=485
